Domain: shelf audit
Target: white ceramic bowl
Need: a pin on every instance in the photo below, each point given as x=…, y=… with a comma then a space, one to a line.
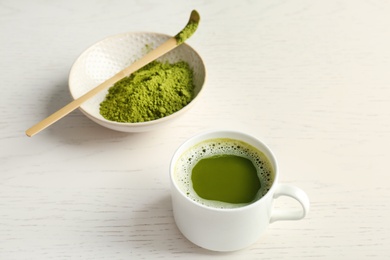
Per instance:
x=107, y=57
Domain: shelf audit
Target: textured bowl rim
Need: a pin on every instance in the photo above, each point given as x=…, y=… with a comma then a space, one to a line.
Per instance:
x=137, y=124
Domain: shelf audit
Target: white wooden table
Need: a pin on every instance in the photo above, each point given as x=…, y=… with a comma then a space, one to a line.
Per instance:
x=310, y=78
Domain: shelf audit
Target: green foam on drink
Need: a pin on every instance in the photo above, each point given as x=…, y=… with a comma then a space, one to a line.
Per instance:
x=216, y=151
x=226, y=178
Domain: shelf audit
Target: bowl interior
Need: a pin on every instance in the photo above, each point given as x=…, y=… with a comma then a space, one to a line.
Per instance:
x=109, y=56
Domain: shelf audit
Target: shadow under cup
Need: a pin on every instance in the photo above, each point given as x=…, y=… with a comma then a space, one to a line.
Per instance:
x=229, y=229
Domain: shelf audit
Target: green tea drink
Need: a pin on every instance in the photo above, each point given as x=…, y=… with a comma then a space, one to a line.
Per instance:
x=224, y=173
x=227, y=178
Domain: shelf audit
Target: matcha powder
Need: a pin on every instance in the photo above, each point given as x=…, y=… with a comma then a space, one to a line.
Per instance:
x=186, y=32
x=155, y=91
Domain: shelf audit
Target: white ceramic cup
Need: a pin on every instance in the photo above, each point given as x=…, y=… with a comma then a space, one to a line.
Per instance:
x=231, y=229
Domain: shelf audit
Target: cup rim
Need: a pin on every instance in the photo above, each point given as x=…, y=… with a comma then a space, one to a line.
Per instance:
x=191, y=141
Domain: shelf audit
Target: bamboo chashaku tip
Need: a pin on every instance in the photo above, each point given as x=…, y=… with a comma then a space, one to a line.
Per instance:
x=190, y=28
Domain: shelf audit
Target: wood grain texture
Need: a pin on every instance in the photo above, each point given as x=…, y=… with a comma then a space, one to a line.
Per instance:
x=309, y=78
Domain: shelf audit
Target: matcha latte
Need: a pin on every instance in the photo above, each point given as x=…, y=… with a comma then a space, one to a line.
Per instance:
x=224, y=173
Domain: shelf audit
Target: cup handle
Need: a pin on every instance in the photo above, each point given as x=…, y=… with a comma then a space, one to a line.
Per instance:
x=295, y=193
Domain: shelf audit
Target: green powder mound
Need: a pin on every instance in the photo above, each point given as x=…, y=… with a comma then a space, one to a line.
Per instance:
x=155, y=91
x=186, y=32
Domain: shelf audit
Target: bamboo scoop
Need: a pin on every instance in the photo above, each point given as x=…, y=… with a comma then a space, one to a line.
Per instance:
x=167, y=46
